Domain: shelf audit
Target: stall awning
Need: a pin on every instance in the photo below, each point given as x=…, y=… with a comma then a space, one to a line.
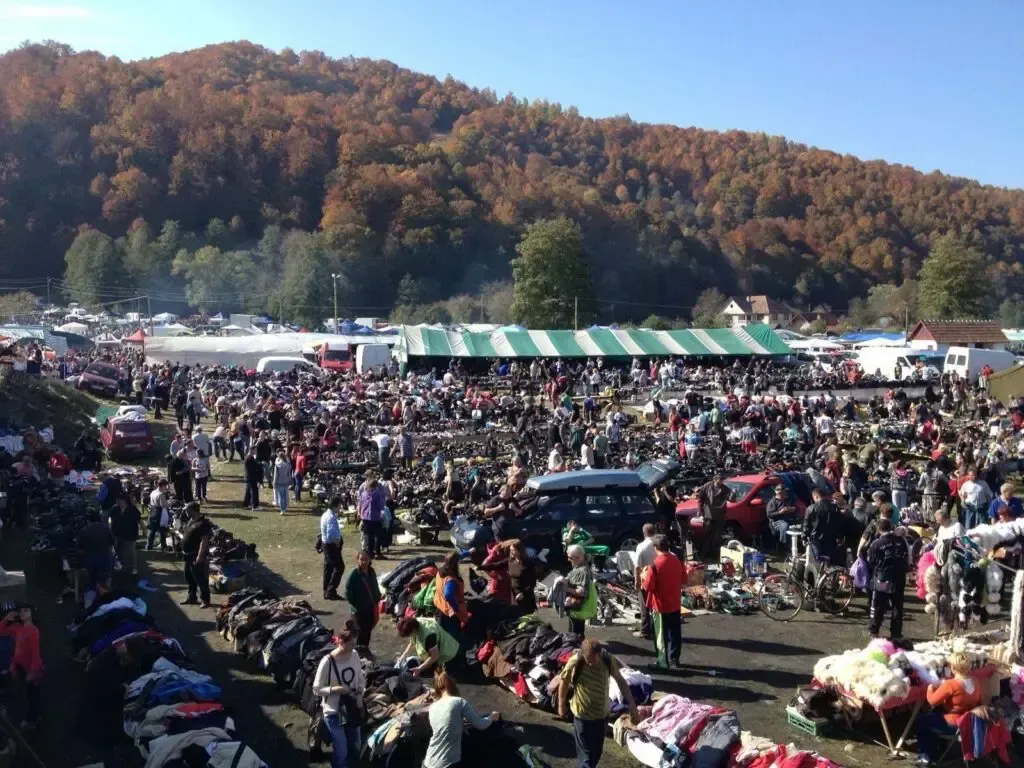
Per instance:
x=431, y=341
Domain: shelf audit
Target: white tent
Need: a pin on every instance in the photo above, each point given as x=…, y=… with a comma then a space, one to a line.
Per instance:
x=174, y=329
x=165, y=317
x=880, y=341
x=78, y=328
x=217, y=319
x=237, y=330
x=106, y=340
x=247, y=350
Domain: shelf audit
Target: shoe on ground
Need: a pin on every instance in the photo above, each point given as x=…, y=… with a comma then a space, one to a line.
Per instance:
x=206, y=605
x=332, y=596
x=641, y=635
x=189, y=601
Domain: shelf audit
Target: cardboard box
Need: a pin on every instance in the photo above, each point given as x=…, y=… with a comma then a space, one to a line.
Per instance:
x=746, y=559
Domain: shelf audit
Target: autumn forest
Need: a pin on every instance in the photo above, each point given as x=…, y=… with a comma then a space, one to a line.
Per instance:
x=236, y=177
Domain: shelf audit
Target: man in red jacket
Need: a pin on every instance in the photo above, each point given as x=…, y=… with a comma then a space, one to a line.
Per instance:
x=663, y=583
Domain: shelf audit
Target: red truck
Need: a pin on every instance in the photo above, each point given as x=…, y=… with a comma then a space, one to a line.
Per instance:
x=745, y=515
x=338, y=359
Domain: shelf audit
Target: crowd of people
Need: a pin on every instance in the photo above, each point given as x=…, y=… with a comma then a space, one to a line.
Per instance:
x=943, y=460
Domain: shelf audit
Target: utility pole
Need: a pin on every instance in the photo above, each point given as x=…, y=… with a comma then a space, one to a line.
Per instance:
x=48, y=304
x=575, y=313
x=149, y=311
x=334, y=279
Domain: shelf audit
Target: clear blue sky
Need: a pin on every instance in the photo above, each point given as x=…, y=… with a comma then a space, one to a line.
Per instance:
x=935, y=84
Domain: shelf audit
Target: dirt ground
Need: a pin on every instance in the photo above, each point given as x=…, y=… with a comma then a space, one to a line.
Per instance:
x=748, y=663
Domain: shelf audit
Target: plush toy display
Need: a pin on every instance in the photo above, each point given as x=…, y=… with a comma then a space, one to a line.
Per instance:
x=881, y=673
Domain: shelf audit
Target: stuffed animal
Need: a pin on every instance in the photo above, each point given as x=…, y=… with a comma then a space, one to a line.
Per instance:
x=970, y=603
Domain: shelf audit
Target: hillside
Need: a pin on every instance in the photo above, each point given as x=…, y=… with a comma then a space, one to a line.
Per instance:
x=410, y=175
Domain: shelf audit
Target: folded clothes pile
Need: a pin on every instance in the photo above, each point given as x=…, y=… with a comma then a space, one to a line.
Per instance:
x=141, y=683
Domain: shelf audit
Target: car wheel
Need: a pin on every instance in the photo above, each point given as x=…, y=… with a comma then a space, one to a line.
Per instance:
x=627, y=543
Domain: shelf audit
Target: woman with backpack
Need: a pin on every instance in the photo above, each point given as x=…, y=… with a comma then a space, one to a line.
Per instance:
x=340, y=684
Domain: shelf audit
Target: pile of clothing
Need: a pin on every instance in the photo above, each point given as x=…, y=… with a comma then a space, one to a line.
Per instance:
x=680, y=732
x=142, y=683
x=526, y=655
x=286, y=639
x=283, y=637
x=402, y=586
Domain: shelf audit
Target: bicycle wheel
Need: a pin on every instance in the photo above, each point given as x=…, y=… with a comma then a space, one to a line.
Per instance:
x=780, y=597
x=835, y=591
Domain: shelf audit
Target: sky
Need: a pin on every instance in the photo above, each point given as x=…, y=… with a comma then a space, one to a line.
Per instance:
x=934, y=84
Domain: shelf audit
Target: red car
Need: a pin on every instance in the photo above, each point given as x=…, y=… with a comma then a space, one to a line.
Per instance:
x=100, y=379
x=745, y=515
x=127, y=439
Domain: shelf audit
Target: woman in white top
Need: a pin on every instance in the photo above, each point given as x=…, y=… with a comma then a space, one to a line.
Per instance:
x=340, y=683
x=446, y=716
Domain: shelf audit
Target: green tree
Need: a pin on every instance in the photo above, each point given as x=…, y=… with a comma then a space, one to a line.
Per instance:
x=897, y=302
x=656, y=323
x=410, y=292
x=17, y=303
x=215, y=278
x=306, y=293
x=497, y=298
x=551, y=275
x=464, y=309
x=707, y=312
x=137, y=247
x=953, y=280
x=93, y=267
x=1011, y=312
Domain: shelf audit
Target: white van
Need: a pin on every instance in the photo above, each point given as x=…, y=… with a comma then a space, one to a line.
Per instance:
x=967, y=362
x=286, y=364
x=884, y=360
x=372, y=356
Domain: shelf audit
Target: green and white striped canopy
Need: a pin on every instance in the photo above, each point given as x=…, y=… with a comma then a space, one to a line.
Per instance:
x=426, y=341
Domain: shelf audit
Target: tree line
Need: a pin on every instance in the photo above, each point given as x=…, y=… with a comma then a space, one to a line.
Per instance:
x=248, y=177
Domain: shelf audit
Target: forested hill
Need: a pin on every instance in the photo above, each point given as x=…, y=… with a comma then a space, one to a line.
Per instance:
x=406, y=174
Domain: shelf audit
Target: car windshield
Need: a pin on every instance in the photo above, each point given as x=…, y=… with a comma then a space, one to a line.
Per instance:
x=739, y=490
x=337, y=355
x=650, y=473
x=103, y=371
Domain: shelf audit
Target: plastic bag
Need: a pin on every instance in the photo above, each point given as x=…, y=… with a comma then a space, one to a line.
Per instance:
x=860, y=573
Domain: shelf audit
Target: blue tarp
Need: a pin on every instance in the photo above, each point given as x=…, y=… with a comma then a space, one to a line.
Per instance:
x=857, y=338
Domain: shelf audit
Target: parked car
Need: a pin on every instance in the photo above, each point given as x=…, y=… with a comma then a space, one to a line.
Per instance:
x=745, y=515
x=612, y=505
x=127, y=438
x=100, y=379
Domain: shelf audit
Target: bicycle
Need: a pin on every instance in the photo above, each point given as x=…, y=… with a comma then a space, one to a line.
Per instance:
x=781, y=596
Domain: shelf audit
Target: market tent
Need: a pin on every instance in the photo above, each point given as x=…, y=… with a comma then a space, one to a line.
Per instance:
x=139, y=337
x=1014, y=334
x=79, y=328
x=1007, y=385
x=510, y=341
x=246, y=350
x=172, y=330
x=165, y=317
x=106, y=340
x=897, y=339
x=37, y=332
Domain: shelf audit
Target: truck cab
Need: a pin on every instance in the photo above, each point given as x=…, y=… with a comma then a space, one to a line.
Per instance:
x=333, y=358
